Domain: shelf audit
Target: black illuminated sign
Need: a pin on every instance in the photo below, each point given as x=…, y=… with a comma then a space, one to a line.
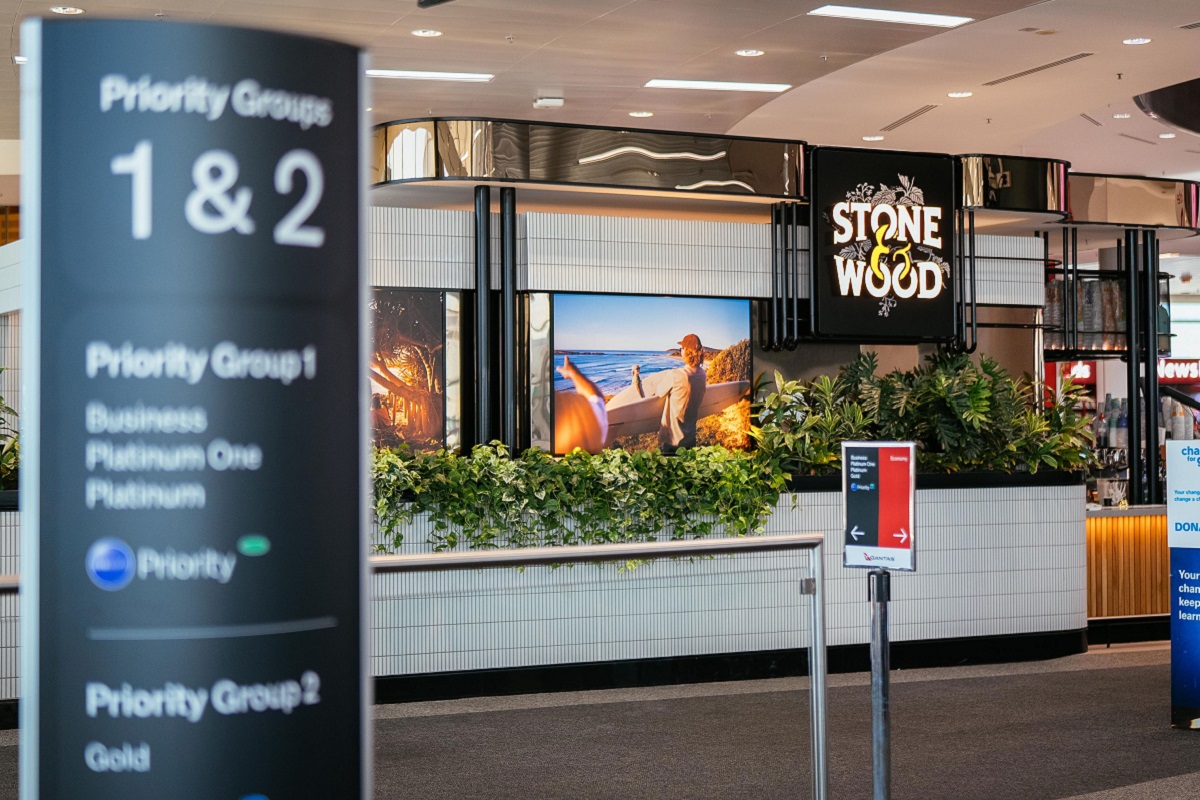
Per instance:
x=883, y=245
x=194, y=491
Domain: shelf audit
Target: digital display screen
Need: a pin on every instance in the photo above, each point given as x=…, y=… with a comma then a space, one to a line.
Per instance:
x=643, y=372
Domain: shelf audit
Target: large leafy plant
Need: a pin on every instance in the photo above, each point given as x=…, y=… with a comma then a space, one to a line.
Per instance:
x=963, y=415
x=802, y=425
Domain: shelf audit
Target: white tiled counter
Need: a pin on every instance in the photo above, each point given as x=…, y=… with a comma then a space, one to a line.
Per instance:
x=992, y=561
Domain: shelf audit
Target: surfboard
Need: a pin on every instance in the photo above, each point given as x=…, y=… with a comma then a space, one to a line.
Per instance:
x=630, y=413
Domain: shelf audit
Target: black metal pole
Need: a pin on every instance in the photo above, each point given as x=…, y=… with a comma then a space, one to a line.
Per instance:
x=785, y=270
x=778, y=330
x=1070, y=337
x=1074, y=269
x=483, y=316
x=1133, y=368
x=508, y=318
x=1153, y=460
x=974, y=308
x=813, y=267
x=879, y=592
x=959, y=273
x=794, y=224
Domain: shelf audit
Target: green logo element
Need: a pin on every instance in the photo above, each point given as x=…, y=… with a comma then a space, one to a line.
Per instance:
x=254, y=544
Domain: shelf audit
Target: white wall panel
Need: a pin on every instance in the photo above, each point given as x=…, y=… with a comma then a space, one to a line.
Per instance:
x=421, y=248
x=579, y=253
x=980, y=573
x=1010, y=271
x=10, y=276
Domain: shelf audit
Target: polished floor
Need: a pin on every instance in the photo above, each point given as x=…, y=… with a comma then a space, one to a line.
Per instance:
x=1087, y=727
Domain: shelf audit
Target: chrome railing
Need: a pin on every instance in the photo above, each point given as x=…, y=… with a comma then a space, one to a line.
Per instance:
x=814, y=585
x=522, y=557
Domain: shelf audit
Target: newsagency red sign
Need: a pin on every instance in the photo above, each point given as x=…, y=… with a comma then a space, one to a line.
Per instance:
x=878, y=500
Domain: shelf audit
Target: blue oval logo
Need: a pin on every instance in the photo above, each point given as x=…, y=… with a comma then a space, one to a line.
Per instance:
x=110, y=564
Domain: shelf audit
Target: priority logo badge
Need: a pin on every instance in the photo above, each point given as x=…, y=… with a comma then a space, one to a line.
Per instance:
x=110, y=564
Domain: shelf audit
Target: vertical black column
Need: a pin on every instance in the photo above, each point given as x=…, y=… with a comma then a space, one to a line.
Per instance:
x=971, y=261
x=1134, y=365
x=777, y=287
x=508, y=318
x=795, y=298
x=483, y=319
x=1150, y=332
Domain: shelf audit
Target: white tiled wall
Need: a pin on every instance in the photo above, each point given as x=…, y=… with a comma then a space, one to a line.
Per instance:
x=579, y=253
x=1010, y=271
x=10, y=360
x=10, y=277
x=421, y=248
x=979, y=573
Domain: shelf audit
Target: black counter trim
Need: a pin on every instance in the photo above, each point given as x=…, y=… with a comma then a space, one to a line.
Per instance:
x=959, y=480
x=722, y=667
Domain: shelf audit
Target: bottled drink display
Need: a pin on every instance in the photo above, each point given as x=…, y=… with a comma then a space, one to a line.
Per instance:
x=1100, y=429
x=1123, y=426
x=1053, y=316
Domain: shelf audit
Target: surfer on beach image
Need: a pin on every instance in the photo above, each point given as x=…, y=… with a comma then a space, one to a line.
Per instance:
x=661, y=388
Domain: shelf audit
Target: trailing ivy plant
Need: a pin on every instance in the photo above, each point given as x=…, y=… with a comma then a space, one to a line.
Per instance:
x=488, y=499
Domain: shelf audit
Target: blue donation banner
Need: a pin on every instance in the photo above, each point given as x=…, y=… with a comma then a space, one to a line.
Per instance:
x=1183, y=537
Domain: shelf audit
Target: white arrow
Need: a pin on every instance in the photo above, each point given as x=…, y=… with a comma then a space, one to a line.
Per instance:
x=857, y=533
x=902, y=536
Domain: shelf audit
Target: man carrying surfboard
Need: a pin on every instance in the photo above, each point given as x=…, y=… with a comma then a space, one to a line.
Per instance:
x=683, y=389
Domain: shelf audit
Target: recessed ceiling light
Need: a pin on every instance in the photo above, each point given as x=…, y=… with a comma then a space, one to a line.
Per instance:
x=641, y=114
x=426, y=33
x=418, y=75
x=20, y=59
x=1139, y=40
x=872, y=138
x=1121, y=116
x=884, y=15
x=750, y=53
x=68, y=10
x=717, y=86
x=960, y=94
x=1166, y=136
x=369, y=108
x=1169, y=255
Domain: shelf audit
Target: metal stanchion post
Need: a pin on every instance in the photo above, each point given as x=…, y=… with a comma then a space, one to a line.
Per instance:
x=817, y=671
x=879, y=582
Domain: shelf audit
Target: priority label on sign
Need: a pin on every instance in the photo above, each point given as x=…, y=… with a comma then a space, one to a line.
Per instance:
x=878, y=502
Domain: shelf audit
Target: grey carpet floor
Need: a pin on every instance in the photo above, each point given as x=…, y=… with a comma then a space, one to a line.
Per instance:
x=1090, y=727
x=1064, y=729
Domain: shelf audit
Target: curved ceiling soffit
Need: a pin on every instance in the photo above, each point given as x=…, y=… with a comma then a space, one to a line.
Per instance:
x=1177, y=106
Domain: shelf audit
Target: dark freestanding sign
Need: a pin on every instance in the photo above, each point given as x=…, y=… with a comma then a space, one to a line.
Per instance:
x=883, y=245
x=878, y=493
x=194, y=481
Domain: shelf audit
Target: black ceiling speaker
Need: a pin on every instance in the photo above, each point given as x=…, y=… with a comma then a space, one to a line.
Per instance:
x=428, y=3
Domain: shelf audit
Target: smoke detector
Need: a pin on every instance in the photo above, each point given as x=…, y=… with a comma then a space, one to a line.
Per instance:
x=548, y=102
